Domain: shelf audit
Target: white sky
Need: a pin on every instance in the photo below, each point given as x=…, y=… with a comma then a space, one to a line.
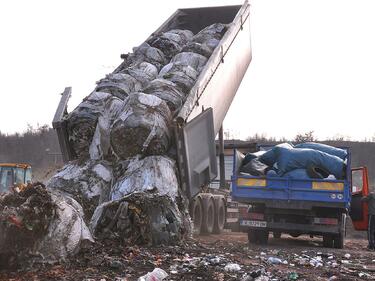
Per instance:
x=313, y=61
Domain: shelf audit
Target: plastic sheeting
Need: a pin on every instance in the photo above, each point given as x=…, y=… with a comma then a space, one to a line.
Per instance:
x=296, y=158
x=255, y=167
x=170, y=43
x=214, y=31
x=143, y=127
x=184, y=76
x=168, y=92
x=89, y=183
x=39, y=223
x=191, y=59
x=119, y=85
x=81, y=122
x=324, y=148
x=198, y=48
x=270, y=157
x=155, y=174
x=140, y=218
x=297, y=174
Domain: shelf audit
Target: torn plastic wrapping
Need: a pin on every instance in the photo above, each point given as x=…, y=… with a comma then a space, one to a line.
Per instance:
x=119, y=85
x=87, y=183
x=143, y=127
x=155, y=174
x=168, y=92
x=171, y=42
x=194, y=60
x=195, y=47
x=184, y=76
x=100, y=145
x=143, y=72
x=147, y=53
x=37, y=222
x=140, y=218
x=213, y=31
x=81, y=122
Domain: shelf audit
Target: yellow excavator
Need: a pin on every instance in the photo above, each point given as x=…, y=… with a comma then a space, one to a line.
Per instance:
x=14, y=176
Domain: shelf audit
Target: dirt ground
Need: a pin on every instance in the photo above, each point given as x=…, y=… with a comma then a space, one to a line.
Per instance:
x=214, y=257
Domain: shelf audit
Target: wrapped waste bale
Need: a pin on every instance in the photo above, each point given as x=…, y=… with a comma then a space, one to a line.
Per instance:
x=89, y=183
x=81, y=122
x=119, y=85
x=155, y=174
x=302, y=158
x=140, y=218
x=342, y=153
x=39, y=224
x=143, y=127
x=194, y=60
x=211, y=35
x=143, y=72
x=168, y=92
x=147, y=53
x=270, y=157
x=170, y=42
x=184, y=76
x=198, y=48
x=100, y=146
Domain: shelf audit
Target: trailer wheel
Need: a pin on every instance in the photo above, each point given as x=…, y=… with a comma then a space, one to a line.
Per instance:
x=251, y=237
x=327, y=241
x=338, y=239
x=262, y=237
x=208, y=214
x=197, y=214
x=220, y=217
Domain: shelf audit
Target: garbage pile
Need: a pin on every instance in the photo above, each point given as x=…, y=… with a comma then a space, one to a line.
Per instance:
x=38, y=223
x=301, y=161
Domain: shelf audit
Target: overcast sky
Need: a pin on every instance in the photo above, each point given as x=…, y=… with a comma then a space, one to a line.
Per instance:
x=312, y=69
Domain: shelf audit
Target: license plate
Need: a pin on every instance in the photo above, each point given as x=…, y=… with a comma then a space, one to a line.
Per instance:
x=253, y=223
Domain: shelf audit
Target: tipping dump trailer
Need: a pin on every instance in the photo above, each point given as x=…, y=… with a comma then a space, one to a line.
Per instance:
x=200, y=118
x=317, y=207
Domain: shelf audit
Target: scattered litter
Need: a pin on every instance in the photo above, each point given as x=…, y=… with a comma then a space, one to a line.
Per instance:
x=157, y=274
x=232, y=267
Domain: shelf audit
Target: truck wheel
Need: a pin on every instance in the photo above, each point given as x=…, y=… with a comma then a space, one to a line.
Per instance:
x=197, y=214
x=208, y=214
x=327, y=241
x=338, y=239
x=251, y=236
x=276, y=234
x=220, y=217
x=262, y=236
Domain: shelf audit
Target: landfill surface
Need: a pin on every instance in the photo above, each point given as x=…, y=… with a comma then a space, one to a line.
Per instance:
x=215, y=257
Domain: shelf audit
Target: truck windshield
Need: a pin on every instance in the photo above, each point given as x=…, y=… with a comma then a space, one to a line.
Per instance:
x=28, y=175
x=19, y=175
x=6, y=179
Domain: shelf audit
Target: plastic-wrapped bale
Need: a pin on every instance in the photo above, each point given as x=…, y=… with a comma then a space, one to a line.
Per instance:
x=140, y=218
x=89, y=184
x=147, y=53
x=342, y=153
x=184, y=76
x=270, y=156
x=168, y=92
x=81, y=122
x=39, y=224
x=170, y=42
x=143, y=127
x=211, y=35
x=143, y=72
x=155, y=174
x=100, y=145
x=198, y=48
x=302, y=158
x=119, y=85
x=255, y=167
x=194, y=60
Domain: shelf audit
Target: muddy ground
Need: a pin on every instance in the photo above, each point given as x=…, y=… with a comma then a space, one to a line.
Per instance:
x=213, y=257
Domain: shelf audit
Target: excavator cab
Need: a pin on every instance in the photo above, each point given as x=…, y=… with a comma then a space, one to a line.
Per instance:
x=14, y=175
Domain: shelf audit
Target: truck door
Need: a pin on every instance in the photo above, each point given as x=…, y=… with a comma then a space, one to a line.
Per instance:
x=359, y=188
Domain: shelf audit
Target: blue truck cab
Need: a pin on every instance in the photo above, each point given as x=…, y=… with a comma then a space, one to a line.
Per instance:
x=317, y=207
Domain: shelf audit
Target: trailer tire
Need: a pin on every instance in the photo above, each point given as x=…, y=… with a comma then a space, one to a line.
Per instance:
x=208, y=214
x=251, y=237
x=197, y=214
x=220, y=215
x=338, y=239
x=262, y=236
x=327, y=241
